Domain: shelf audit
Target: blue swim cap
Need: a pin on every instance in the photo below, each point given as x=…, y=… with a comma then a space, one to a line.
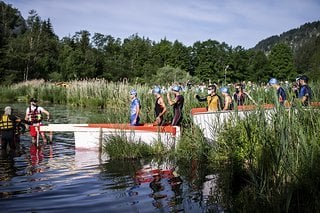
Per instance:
x=133, y=92
x=303, y=77
x=156, y=90
x=224, y=89
x=273, y=81
x=176, y=88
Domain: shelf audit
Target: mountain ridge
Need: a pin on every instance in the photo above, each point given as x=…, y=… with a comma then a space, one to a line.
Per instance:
x=294, y=38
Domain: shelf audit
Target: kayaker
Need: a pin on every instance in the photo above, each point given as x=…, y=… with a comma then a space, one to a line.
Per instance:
x=160, y=108
x=134, y=108
x=281, y=93
x=8, y=124
x=213, y=99
x=177, y=104
x=34, y=114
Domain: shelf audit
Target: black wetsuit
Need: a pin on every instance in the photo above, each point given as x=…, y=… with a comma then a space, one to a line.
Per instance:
x=177, y=110
x=158, y=109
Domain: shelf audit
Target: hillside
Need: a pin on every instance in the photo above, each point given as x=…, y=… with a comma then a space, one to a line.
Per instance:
x=295, y=38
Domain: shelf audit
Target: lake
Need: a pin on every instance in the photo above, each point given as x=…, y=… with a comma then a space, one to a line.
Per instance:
x=55, y=177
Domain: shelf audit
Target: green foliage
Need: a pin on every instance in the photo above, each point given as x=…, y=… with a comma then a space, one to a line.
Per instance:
x=274, y=160
x=174, y=74
x=35, y=52
x=192, y=145
x=281, y=62
x=118, y=147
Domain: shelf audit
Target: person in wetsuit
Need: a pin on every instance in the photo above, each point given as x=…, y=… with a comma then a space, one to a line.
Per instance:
x=305, y=92
x=134, y=108
x=159, y=108
x=228, y=104
x=240, y=96
x=281, y=93
x=177, y=104
x=213, y=99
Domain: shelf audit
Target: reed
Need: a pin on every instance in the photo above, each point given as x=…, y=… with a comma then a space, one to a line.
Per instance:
x=276, y=154
x=118, y=147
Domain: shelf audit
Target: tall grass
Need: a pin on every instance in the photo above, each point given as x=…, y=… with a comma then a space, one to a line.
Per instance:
x=276, y=156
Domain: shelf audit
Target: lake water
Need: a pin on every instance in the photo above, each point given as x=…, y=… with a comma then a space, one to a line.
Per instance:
x=57, y=178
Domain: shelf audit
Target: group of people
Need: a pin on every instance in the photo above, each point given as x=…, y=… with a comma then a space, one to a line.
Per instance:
x=215, y=102
x=301, y=90
x=10, y=125
x=160, y=108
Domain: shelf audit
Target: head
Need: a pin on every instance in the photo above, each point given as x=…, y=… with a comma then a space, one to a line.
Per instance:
x=224, y=90
x=176, y=89
x=7, y=110
x=303, y=80
x=238, y=88
x=156, y=91
x=33, y=101
x=212, y=89
x=273, y=81
x=133, y=93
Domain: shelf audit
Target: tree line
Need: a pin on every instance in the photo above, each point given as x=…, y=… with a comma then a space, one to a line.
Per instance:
x=29, y=49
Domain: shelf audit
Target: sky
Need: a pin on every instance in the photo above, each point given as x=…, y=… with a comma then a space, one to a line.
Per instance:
x=235, y=22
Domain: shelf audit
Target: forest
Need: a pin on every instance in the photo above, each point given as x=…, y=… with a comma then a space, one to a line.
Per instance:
x=29, y=49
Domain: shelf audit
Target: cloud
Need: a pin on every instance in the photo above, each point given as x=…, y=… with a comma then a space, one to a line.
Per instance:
x=242, y=22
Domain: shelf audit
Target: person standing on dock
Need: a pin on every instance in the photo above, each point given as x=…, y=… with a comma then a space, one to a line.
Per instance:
x=228, y=104
x=34, y=119
x=240, y=97
x=160, y=108
x=134, y=108
x=305, y=92
x=177, y=104
x=8, y=124
x=282, y=97
x=213, y=99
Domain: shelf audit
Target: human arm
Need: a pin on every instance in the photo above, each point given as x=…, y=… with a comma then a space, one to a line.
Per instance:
x=171, y=102
x=46, y=112
x=26, y=116
x=200, y=98
x=163, y=107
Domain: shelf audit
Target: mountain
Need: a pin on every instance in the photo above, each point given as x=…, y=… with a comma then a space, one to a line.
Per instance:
x=295, y=38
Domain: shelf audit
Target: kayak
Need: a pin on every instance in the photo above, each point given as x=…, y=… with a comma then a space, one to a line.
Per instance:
x=91, y=136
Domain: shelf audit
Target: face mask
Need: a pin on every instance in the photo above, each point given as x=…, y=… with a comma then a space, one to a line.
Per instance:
x=237, y=90
x=34, y=104
x=209, y=92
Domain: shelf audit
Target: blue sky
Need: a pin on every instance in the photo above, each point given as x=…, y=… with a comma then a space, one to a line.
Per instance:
x=235, y=22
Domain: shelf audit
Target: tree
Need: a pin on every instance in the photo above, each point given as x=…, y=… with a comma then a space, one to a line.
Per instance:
x=209, y=59
x=281, y=62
